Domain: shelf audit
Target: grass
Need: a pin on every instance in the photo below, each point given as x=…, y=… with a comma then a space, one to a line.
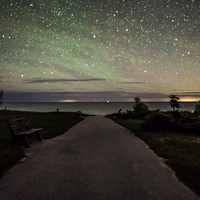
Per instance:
x=53, y=124
x=9, y=155
x=180, y=151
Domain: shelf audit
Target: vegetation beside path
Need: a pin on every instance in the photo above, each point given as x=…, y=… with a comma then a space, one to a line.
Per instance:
x=173, y=135
x=179, y=150
x=53, y=124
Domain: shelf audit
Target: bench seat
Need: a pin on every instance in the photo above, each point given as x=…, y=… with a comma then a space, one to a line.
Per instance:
x=29, y=132
x=20, y=128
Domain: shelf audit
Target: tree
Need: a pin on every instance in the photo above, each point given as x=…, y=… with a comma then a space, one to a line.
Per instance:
x=197, y=108
x=1, y=97
x=140, y=108
x=174, y=102
x=137, y=100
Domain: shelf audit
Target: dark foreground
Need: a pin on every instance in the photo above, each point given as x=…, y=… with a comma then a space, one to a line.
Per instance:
x=97, y=159
x=53, y=124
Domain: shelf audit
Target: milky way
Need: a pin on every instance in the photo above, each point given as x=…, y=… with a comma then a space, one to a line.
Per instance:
x=107, y=45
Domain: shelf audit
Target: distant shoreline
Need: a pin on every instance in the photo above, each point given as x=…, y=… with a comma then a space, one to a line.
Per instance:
x=94, y=108
x=68, y=102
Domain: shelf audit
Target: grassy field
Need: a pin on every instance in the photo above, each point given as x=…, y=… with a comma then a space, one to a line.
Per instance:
x=53, y=124
x=180, y=151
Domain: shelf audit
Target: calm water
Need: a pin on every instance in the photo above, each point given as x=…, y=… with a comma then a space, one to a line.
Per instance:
x=90, y=108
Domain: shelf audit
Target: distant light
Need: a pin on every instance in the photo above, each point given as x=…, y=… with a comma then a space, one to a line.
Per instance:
x=68, y=101
x=189, y=99
x=188, y=53
x=94, y=36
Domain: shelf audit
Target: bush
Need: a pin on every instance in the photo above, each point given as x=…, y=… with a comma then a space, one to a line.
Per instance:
x=140, y=109
x=187, y=118
x=1, y=96
x=192, y=127
x=158, y=121
x=197, y=108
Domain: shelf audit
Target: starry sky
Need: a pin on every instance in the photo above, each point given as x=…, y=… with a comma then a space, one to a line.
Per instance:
x=100, y=46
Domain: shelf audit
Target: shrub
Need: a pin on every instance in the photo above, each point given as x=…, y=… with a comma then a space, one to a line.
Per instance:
x=140, y=109
x=197, y=108
x=187, y=117
x=192, y=127
x=158, y=121
x=1, y=97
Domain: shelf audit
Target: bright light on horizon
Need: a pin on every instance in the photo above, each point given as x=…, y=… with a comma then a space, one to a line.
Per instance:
x=189, y=99
x=68, y=101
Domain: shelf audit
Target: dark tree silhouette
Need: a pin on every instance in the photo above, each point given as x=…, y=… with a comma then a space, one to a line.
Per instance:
x=140, y=108
x=197, y=108
x=137, y=100
x=1, y=96
x=174, y=102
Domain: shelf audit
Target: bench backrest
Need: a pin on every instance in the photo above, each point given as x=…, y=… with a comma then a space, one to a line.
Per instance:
x=17, y=125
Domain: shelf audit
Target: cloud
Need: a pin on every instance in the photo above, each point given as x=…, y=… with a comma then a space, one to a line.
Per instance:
x=189, y=93
x=39, y=80
x=133, y=82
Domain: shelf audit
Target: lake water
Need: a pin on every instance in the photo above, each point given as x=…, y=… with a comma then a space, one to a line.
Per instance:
x=90, y=108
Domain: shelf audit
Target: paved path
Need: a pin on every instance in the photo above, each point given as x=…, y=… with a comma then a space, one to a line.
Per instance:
x=97, y=159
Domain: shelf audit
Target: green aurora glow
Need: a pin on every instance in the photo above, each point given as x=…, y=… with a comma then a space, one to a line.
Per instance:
x=47, y=40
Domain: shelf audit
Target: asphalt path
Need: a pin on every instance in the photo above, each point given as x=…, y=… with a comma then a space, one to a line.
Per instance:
x=96, y=159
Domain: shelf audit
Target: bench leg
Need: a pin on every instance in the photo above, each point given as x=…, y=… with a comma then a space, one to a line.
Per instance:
x=26, y=141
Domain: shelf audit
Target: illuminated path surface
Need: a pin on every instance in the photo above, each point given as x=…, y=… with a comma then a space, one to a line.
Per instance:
x=97, y=159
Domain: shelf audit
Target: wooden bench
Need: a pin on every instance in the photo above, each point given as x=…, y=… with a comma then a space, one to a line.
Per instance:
x=20, y=128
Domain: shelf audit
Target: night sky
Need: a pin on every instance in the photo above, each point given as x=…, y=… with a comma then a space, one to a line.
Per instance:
x=100, y=45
